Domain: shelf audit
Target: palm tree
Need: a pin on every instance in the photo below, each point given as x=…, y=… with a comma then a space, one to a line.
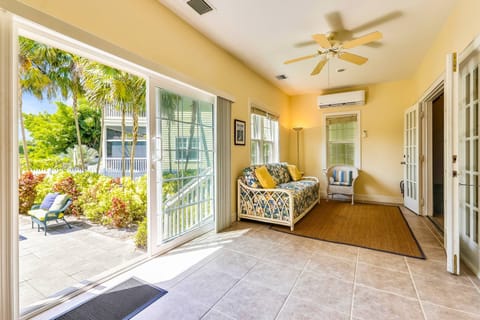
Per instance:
x=107, y=86
x=65, y=73
x=137, y=90
x=33, y=61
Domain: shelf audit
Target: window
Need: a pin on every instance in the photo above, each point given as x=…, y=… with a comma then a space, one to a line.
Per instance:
x=342, y=139
x=114, y=142
x=264, y=137
x=183, y=151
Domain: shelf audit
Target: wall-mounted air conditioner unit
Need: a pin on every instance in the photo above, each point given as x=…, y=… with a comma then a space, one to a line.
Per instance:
x=342, y=99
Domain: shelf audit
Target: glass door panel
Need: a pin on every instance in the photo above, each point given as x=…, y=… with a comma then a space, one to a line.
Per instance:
x=184, y=138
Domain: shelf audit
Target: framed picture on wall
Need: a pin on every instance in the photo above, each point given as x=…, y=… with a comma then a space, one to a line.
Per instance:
x=239, y=132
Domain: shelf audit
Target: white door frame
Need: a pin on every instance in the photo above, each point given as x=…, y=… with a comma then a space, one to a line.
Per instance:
x=426, y=101
x=9, y=278
x=451, y=230
x=412, y=180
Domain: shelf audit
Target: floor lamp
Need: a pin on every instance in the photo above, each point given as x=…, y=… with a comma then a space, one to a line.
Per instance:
x=297, y=130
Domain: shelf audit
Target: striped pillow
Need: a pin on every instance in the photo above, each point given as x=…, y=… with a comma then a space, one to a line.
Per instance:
x=343, y=177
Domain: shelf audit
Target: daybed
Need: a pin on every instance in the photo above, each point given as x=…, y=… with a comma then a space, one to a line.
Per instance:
x=284, y=204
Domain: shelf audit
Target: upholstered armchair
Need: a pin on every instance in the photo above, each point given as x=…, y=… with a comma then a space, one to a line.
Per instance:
x=341, y=180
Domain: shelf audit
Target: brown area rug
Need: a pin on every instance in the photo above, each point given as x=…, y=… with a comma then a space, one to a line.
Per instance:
x=371, y=226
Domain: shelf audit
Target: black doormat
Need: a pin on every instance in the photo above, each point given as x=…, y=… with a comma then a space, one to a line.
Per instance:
x=120, y=302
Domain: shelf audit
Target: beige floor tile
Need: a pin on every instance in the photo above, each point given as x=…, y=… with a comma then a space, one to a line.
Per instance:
x=434, y=253
x=288, y=256
x=391, y=281
x=206, y=286
x=298, y=309
x=324, y=291
x=277, y=277
x=247, y=245
x=234, y=263
x=332, y=266
x=173, y=306
x=436, y=270
x=373, y=304
x=383, y=260
x=434, y=312
x=249, y=300
x=337, y=250
x=455, y=296
x=215, y=315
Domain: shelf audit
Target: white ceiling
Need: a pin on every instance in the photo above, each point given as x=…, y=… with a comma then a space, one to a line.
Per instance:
x=265, y=33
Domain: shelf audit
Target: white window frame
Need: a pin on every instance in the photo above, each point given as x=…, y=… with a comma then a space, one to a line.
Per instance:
x=184, y=148
x=358, y=144
x=276, y=134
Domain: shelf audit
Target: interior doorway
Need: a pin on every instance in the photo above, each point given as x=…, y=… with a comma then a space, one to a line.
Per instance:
x=437, y=185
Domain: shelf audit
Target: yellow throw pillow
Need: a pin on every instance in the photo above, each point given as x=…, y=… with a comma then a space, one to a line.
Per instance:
x=294, y=172
x=264, y=177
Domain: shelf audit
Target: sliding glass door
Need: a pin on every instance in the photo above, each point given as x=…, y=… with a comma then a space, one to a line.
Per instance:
x=182, y=164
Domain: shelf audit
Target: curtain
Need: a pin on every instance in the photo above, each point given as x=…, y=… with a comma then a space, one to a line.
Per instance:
x=223, y=218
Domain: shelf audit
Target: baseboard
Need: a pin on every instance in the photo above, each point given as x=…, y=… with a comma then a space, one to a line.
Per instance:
x=375, y=198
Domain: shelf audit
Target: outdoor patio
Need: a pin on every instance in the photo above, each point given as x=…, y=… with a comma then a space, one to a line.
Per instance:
x=56, y=263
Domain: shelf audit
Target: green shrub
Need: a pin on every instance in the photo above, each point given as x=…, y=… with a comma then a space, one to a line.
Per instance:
x=68, y=186
x=119, y=214
x=27, y=192
x=96, y=200
x=141, y=235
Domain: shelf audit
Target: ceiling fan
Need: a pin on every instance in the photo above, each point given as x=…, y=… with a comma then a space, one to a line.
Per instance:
x=330, y=48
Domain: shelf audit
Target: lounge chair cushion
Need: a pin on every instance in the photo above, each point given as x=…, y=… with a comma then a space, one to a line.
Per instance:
x=40, y=214
x=59, y=202
x=48, y=201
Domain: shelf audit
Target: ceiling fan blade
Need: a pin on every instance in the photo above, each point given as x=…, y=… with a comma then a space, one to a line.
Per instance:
x=318, y=67
x=301, y=58
x=322, y=40
x=353, y=58
x=362, y=40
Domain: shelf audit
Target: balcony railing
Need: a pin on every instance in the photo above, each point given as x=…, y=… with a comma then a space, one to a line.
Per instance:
x=112, y=112
x=190, y=207
x=113, y=167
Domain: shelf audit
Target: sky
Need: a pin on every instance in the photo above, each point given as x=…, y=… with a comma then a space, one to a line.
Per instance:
x=30, y=104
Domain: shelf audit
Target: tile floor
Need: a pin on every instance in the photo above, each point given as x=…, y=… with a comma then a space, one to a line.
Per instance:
x=252, y=272
x=53, y=265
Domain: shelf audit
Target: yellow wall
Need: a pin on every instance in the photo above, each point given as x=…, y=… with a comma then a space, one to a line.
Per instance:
x=381, y=150
x=461, y=27
x=148, y=29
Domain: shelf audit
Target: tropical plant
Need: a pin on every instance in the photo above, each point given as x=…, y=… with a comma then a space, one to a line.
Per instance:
x=33, y=61
x=89, y=155
x=27, y=192
x=141, y=235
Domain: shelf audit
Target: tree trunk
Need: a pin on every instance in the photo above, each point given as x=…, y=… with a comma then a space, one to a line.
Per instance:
x=192, y=131
x=134, y=140
x=77, y=127
x=123, y=141
x=100, y=147
x=22, y=126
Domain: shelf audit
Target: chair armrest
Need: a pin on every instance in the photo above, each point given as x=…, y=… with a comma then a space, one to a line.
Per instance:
x=35, y=206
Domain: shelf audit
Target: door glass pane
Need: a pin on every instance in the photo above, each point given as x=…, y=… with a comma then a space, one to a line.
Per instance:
x=187, y=137
x=467, y=89
x=467, y=121
x=475, y=84
x=467, y=221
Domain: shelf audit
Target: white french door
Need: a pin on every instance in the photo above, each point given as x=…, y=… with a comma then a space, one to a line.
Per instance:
x=411, y=157
x=468, y=138
x=182, y=170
